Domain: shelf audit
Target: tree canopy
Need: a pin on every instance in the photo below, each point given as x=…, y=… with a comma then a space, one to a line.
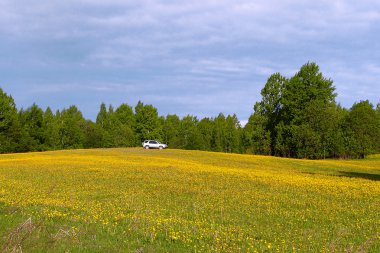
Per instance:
x=296, y=117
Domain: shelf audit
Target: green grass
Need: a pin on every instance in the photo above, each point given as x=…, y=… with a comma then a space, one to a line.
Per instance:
x=135, y=200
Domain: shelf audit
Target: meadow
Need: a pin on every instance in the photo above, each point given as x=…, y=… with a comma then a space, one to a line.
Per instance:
x=136, y=200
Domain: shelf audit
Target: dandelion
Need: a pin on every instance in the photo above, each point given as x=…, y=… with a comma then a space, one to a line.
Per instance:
x=203, y=201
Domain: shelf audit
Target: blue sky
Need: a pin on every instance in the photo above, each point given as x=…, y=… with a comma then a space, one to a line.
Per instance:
x=184, y=57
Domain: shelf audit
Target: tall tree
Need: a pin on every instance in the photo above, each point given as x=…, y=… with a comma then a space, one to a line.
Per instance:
x=325, y=120
x=283, y=145
x=71, y=133
x=171, y=127
x=124, y=114
x=218, y=140
x=232, y=134
x=307, y=93
x=271, y=105
x=189, y=136
x=103, y=120
x=147, y=122
x=10, y=128
x=93, y=134
x=51, y=129
x=32, y=121
x=205, y=128
x=122, y=126
x=378, y=120
x=362, y=129
x=256, y=138
x=305, y=87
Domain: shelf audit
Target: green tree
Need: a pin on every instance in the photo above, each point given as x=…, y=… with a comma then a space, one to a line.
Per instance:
x=306, y=142
x=205, y=129
x=362, y=129
x=256, y=138
x=147, y=123
x=271, y=105
x=218, y=136
x=170, y=130
x=378, y=120
x=189, y=137
x=122, y=126
x=232, y=134
x=124, y=114
x=10, y=128
x=51, y=130
x=324, y=120
x=283, y=141
x=93, y=134
x=103, y=120
x=305, y=87
x=32, y=121
x=308, y=103
x=71, y=134
x=296, y=116
x=122, y=135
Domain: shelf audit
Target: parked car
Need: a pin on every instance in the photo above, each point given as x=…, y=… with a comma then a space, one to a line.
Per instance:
x=147, y=144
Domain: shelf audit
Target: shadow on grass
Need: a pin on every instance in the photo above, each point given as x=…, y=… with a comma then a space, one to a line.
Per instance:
x=368, y=176
x=373, y=177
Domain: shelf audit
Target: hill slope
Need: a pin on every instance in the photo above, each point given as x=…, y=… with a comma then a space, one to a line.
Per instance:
x=137, y=200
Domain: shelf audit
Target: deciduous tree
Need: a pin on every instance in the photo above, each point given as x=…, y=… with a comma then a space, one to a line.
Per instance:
x=10, y=128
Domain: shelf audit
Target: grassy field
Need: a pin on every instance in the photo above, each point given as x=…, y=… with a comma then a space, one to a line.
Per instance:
x=135, y=200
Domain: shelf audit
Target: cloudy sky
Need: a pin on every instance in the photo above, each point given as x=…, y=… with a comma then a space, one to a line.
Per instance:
x=198, y=57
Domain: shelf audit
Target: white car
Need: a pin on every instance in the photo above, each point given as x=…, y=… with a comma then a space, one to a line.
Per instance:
x=153, y=144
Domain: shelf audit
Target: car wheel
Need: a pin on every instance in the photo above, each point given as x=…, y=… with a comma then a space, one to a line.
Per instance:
x=160, y=147
x=146, y=147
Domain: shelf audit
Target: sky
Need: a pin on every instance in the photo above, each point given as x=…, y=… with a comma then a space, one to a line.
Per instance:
x=198, y=57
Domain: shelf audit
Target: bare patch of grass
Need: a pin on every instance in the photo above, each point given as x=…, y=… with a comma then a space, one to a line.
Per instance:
x=17, y=236
x=365, y=246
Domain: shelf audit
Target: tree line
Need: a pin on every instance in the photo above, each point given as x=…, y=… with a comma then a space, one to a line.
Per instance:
x=296, y=117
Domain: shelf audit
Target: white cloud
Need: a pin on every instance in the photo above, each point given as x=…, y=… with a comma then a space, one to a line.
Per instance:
x=208, y=44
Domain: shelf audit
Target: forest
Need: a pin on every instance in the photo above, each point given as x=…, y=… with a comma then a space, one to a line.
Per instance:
x=297, y=117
